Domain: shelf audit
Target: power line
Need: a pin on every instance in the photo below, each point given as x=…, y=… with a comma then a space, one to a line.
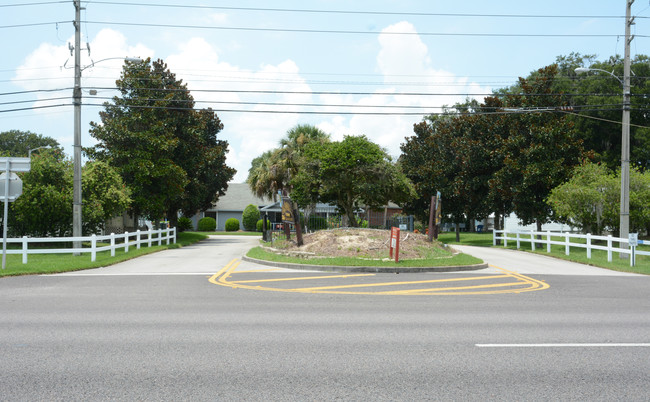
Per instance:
x=364, y=12
x=351, y=32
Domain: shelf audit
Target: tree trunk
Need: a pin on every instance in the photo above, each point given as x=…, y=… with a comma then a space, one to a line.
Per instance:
x=457, y=231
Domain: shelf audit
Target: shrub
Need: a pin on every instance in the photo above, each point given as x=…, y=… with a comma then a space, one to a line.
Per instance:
x=184, y=223
x=250, y=217
x=316, y=222
x=207, y=224
x=232, y=225
x=259, y=225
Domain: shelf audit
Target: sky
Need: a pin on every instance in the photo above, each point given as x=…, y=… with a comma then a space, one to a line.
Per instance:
x=359, y=67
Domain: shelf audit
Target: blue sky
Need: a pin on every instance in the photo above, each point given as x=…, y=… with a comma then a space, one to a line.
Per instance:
x=389, y=47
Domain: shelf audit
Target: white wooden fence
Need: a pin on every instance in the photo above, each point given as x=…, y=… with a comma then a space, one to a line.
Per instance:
x=116, y=241
x=549, y=238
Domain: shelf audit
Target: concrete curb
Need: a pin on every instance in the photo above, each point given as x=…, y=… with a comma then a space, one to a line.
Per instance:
x=390, y=270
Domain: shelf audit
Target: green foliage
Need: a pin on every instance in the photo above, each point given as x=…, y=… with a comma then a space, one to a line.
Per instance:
x=105, y=195
x=207, y=224
x=232, y=225
x=496, y=162
x=350, y=174
x=250, y=217
x=19, y=143
x=590, y=200
x=185, y=223
x=271, y=171
x=316, y=222
x=166, y=152
x=45, y=207
x=260, y=225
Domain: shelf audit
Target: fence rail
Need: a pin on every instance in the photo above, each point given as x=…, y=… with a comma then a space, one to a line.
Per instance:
x=116, y=241
x=548, y=239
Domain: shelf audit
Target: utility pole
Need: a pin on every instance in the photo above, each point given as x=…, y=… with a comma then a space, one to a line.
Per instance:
x=76, y=99
x=625, y=140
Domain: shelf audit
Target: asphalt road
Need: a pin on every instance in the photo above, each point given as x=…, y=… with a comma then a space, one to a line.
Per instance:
x=156, y=328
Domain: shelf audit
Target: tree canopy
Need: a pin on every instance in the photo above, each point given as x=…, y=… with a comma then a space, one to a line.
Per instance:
x=166, y=151
x=351, y=174
x=18, y=143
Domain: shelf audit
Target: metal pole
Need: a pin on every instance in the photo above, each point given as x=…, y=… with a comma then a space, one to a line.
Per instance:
x=76, y=95
x=624, y=223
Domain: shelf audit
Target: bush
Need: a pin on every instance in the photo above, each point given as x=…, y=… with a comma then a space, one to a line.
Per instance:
x=250, y=217
x=207, y=224
x=232, y=225
x=316, y=222
x=259, y=225
x=184, y=223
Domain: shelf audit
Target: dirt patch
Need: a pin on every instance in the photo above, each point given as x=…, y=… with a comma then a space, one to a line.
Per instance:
x=363, y=243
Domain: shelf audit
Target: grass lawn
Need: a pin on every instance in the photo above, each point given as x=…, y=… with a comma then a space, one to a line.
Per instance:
x=598, y=257
x=54, y=263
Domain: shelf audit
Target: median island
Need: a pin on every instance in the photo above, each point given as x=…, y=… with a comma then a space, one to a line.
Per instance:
x=362, y=250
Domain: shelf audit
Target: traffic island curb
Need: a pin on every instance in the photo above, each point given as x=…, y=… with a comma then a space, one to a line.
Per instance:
x=388, y=270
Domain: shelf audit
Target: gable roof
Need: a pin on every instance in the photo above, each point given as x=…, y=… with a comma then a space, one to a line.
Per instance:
x=237, y=197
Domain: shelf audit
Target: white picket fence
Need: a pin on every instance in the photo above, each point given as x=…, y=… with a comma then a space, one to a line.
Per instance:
x=117, y=241
x=549, y=238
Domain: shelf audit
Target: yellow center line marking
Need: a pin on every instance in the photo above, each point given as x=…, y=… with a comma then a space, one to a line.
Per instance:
x=303, y=278
x=259, y=270
x=403, y=283
x=221, y=278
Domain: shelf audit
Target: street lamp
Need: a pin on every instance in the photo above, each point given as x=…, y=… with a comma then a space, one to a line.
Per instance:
x=29, y=153
x=624, y=223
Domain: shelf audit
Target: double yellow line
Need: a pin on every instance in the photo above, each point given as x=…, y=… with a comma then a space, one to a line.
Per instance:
x=522, y=284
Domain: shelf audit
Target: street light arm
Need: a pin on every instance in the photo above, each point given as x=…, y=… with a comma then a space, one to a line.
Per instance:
x=130, y=59
x=581, y=70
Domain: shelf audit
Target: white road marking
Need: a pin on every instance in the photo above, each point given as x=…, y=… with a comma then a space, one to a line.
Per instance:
x=560, y=345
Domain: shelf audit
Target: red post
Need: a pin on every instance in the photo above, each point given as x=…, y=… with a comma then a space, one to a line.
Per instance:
x=394, y=243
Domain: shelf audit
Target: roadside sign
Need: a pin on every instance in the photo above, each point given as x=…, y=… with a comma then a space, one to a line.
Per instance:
x=12, y=187
x=15, y=186
x=287, y=211
x=633, y=239
x=16, y=164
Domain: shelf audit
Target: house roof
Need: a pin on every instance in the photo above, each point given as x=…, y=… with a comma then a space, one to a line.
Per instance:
x=237, y=197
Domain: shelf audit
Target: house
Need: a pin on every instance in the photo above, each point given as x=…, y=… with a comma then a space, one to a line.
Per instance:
x=239, y=195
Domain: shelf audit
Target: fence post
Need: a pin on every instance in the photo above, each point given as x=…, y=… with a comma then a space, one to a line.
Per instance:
x=160, y=237
x=25, y=246
x=112, y=244
x=566, y=243
x=149, y=237
x=589, y=246
x=138, y=239
x=518, y=241
x=532, y=240
x=93, y=247
x=548, y=241
x=494, y=237
x=505, y=238
x=609, y=248
x=168, y=235
x=126, y=241
x=174, y=236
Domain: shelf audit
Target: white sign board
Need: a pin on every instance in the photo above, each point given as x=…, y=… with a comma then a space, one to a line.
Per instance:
x=633, y=239
x=15, y=186
x=15, y=164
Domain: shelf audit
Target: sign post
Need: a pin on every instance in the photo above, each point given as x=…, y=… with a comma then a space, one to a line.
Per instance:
x=394, y=243
x=291, y=215
x=12, y=188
